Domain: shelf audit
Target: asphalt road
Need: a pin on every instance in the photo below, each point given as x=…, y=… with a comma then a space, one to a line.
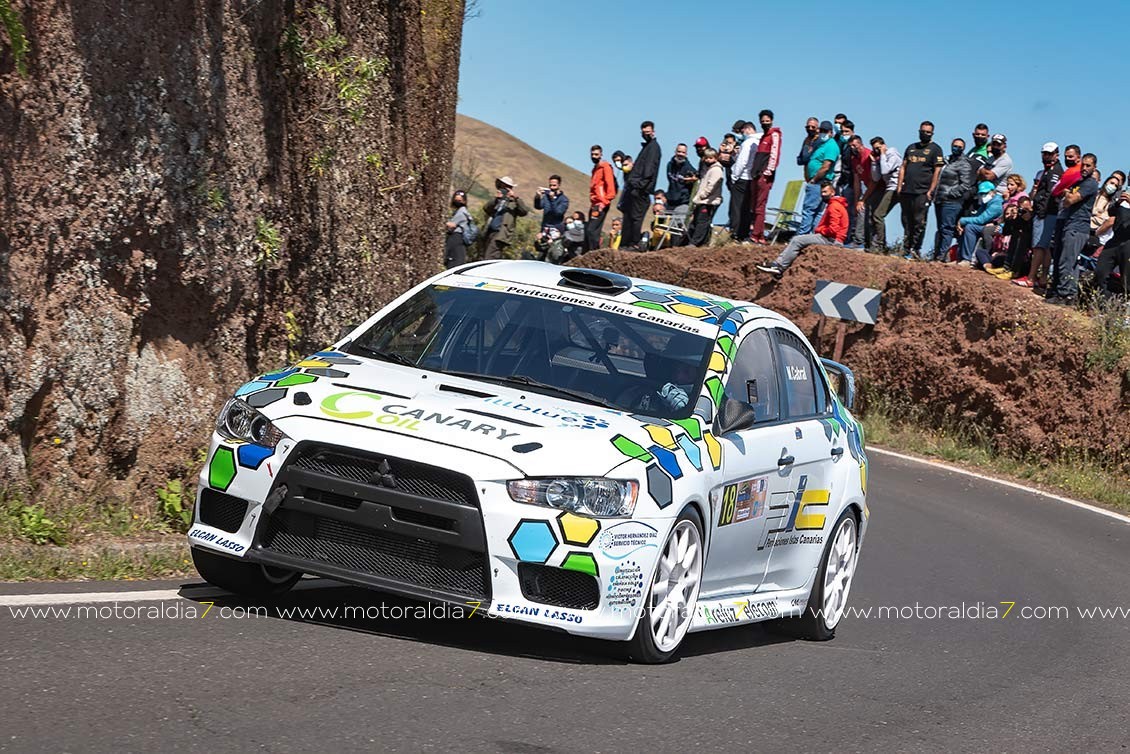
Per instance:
x=908, y=684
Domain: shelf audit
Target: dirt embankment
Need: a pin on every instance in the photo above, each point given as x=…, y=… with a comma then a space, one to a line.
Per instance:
x=194, y=191
x=952, y=347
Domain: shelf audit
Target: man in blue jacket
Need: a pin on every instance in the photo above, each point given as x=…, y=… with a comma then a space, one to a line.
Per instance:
x=990, y=206
x=553, y=204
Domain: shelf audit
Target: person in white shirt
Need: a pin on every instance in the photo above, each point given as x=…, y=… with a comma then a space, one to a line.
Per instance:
x=885, y=164
x=740, y=173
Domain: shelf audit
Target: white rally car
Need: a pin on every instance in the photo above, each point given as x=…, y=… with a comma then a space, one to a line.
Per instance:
x=569, y=448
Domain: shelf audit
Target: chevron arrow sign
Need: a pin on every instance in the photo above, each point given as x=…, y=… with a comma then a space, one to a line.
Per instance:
x=846, y=302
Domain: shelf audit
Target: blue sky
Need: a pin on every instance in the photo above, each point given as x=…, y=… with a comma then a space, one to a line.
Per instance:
x=564, y=76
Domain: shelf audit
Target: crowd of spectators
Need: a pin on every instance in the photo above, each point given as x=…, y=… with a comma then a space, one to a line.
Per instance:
x=987, y=216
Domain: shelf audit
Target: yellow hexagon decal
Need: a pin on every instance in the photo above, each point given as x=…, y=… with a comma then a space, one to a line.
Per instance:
x=577, y=530
x=313, y=364
x=717, y=362
x=690, y=310
x=661, y=436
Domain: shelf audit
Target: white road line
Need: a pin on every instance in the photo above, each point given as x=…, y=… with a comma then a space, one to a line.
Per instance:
x=1016, y=486
x=153, y=595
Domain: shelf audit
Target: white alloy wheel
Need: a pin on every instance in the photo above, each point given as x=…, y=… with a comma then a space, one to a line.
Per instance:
x=675, y=588
x=839, y=569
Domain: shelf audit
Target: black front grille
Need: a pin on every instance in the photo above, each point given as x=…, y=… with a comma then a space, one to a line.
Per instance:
x=224, y=512
x=557, y=586
x=386, y=555
x=410, y=477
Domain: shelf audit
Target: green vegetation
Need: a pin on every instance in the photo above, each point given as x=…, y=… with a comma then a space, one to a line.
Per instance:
x=1111, y=320
x=17, y=35
x=293, y=334
x=36, y=527
x=175, y=506
x=319, y=50
x=268, y=241
x=1081, y=477
x=146, y=561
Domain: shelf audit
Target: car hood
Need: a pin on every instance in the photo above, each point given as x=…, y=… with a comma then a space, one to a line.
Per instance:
x=539, y=434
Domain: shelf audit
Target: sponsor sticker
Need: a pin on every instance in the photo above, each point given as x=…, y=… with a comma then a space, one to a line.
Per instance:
x=625, y=586
x=621, y=540
x=743, y=500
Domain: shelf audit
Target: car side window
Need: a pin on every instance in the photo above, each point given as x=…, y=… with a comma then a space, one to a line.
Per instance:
x=805, y=392
x=753, y=377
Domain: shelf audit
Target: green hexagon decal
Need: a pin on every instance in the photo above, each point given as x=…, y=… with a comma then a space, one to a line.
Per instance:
x=221, y=471
x=580, y=561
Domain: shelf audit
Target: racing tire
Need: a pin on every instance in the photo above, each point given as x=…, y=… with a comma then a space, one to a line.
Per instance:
x=242, y=577
x=669, y=605
x=830, y=589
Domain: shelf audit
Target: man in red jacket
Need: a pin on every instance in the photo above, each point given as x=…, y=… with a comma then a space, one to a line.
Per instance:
x=602, y=190
x=831, y=230
x=765, y=164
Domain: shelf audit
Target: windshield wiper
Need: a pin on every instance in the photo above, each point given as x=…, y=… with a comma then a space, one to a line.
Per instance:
x=521, y=379
x=376, y=353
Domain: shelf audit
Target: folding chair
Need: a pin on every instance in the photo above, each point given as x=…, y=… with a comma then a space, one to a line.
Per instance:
x=669, y=229
x=787, y=218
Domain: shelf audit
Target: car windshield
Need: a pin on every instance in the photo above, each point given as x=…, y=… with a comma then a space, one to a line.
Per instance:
x=551, y=347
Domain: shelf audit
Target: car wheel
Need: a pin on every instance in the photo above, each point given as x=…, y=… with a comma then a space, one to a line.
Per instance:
x=669, y=605
x=830, y=590
x=243, y=577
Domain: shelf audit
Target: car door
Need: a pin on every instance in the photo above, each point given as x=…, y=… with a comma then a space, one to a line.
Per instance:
x=799, y=519
x=735, y=561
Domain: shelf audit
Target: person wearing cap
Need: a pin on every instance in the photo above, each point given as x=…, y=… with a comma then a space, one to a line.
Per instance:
x=739, y=187
x=503, y=212
x=955, y=185
x=765, y=164
x=701, y=144
x=1045, y=208
x=999, y=167
x=455, y=247
x=681, y=176
x=818, y=169
x=602, y=190
x=639, y=186
x=990, y=207
x=922, y=164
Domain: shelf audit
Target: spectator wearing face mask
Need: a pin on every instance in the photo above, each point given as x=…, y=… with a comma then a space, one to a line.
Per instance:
x=681, y=176
x=1017, y=230
x=1045, y=208
x=640, y=184
x=1116, y=250
x=886, y=164
x=818, y=169
x=553, y=203
x=1104, y=201
x=858, y=233
x=832, y=229
x=602, y=190
x=765, y=164
x=811, y=137
x=845, y=177
x=1075, y=229
x=969, y=228
x=706, y=200
x=455, y=247
x=613, y=240
x=979, y=154
x=922, y=163
x=739, y=187
x=574, y=236
x=955, y=185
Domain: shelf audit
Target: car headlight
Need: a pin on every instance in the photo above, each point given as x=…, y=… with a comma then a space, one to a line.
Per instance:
x=594, y=496
x=239, y=421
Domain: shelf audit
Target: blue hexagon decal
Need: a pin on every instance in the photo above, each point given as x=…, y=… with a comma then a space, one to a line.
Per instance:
x=532, y=541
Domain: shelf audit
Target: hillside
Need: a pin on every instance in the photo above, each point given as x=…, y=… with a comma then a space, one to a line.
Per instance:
x=483, y=153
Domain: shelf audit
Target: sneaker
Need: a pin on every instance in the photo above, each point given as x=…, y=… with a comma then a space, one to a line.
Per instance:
x=964, y=263
x=910, y=256
x=1004, y=274
x=772, y=268
x=994, y=270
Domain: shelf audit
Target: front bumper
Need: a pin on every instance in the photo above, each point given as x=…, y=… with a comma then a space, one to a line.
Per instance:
x=432, y=532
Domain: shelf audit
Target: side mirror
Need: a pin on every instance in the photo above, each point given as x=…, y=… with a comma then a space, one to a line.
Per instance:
x=346, y=329
x=735, y=415
x=843, y=381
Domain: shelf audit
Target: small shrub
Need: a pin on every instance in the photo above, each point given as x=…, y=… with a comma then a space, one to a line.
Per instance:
x=175, y=507
x=35, y=527
x=268, y=241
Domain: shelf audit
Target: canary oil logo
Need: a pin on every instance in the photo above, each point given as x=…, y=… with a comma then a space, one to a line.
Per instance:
x=330, y=405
